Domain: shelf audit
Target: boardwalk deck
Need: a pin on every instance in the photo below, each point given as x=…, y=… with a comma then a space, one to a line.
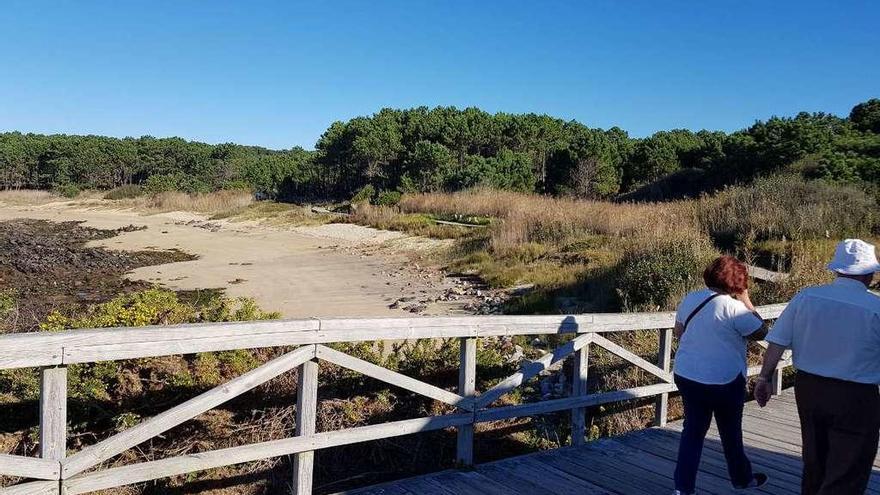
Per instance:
x=639, y=463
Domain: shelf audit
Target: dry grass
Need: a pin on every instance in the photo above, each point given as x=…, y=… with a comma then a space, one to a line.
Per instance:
x=211, y=203
x=569, y=249
x=784, y=207
x=22, y=197
x=391, y=218
x=274, y=214
x=531, y=218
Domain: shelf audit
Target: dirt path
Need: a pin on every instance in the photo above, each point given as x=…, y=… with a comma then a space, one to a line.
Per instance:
x=309, y=271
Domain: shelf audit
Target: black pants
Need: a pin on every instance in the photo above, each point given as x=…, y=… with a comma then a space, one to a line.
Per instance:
x=840, y=421
x=701, y=402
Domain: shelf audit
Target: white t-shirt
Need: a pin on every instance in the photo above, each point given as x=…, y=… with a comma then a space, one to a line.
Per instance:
x=713, y=347
x=833, y=331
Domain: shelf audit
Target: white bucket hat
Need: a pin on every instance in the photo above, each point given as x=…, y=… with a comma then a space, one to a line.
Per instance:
x=854, y=257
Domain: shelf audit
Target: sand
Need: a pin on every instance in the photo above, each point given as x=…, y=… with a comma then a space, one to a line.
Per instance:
x=322, y=271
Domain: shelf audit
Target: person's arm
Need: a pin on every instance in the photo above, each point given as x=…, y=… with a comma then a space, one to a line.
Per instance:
x=678, y=331
x=761, y=331
x=762, y=383
x=780, y=339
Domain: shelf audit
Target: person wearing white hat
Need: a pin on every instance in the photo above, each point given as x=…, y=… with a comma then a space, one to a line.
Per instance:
x=833, y=332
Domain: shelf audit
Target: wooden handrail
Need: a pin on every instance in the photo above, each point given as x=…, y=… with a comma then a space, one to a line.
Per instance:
x=29, y=350
x=54, y=351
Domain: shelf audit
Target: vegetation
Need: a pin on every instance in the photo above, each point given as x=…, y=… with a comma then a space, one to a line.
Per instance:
x=169, y=164
x=782, y=192
x=581, y=255
x=448, y=149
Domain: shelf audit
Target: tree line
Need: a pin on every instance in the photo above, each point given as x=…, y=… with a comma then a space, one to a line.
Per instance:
x=445, y=148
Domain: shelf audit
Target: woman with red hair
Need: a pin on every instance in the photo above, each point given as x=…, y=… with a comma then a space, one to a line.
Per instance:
x=714, y=325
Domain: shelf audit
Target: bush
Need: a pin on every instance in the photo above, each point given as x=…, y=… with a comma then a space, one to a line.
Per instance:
x=160, y=183
x=654, y=276
x=787, y=207
x=237, y=185
x=388, y=198
x=129, y=191
x=69, y=191
x=365, y=195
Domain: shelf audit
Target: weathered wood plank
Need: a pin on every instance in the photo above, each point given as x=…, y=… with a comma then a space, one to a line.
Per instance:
x=599, y=472
x=425, y=486
x=145, y=471
x=579, y=389
x=754, y=370
x=78, y=346
x=632, y=358
x=393, y=378
x=713, y=461
x=306, y=417
x=641, y=463
x=472, y=483
x=95, y=454
x=53, y=413
x=29, y=467
x=532, y=369
x=135, y=343
x=548, y=477
x=32, y=488
x=765, y=274
x=664, y=362
x=467, y=387
x=515, y=481
x=548, y=406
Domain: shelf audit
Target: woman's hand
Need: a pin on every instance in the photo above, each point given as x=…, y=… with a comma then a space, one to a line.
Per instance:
x=744, y=298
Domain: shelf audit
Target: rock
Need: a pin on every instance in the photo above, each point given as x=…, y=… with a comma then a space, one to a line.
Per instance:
x=516, y=356
x=417, y=308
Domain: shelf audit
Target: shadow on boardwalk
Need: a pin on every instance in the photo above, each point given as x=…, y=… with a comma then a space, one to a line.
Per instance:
x=639, y=463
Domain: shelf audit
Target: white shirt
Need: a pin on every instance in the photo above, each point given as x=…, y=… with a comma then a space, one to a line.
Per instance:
x=833, y=331
x=713, y=347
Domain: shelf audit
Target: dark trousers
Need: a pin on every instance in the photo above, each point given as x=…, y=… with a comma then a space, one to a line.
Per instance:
x=701, y=402
x=840, y=421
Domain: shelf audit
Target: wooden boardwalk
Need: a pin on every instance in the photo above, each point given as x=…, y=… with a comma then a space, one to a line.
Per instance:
x=639, y=463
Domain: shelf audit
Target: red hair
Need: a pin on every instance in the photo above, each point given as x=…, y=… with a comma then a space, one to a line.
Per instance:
x=727, y=274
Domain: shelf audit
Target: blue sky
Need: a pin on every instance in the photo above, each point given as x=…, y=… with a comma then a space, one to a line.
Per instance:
x=278, y=73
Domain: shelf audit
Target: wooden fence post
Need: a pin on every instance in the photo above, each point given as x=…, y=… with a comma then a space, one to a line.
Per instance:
x=579, y=388
x=306, y=412
x=467, y=387
x=53, y=413
x=776, y=382
x=664, y=361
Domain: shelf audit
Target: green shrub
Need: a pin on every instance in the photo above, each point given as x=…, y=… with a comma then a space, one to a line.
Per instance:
x=129, y=191
x=388, y=198
x=160, y=183
x=237, y=185
x=365, y=195
x=654, y=277
x=67, y=190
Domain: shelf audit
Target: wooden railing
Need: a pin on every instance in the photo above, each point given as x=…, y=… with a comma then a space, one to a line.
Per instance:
x=56, y=472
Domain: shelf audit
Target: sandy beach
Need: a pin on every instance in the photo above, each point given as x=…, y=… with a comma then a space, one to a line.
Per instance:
x=321, y=271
